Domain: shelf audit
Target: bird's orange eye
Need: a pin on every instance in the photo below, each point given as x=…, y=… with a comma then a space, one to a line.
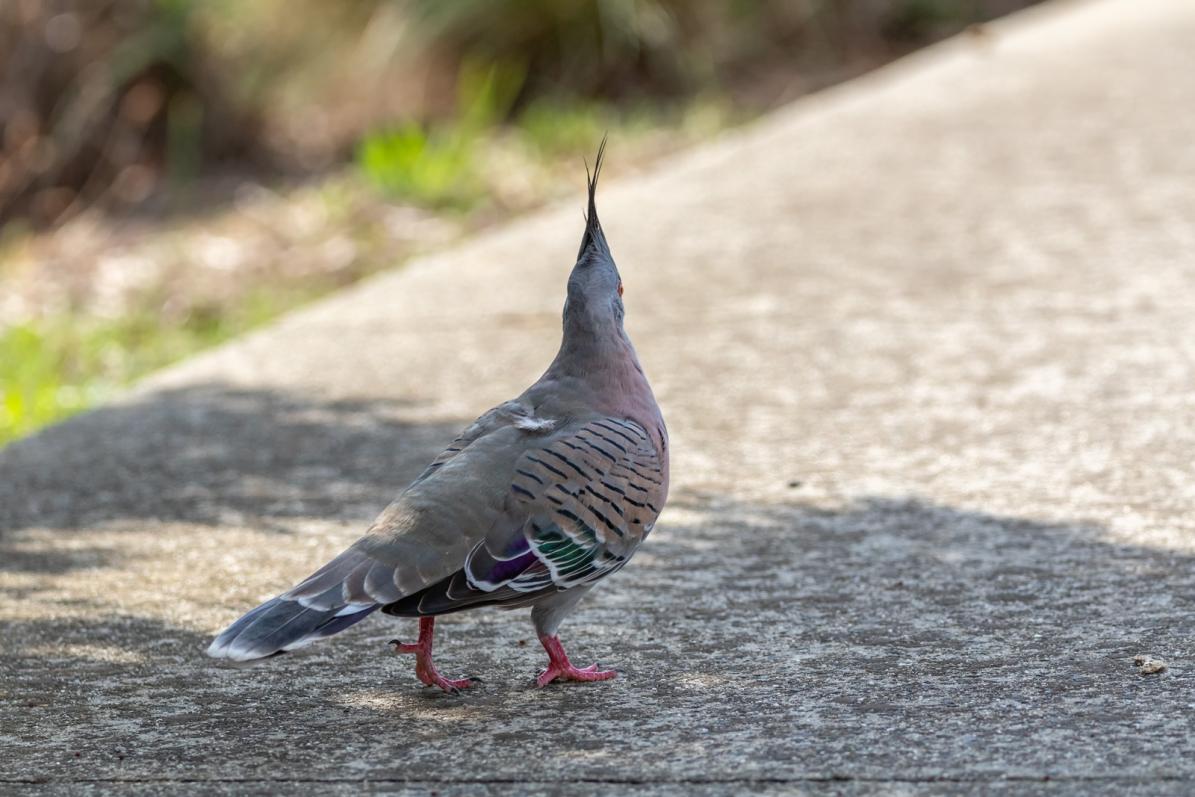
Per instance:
x=620, y=287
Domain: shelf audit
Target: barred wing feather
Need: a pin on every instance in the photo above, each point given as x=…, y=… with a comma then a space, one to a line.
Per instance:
x=577, y=509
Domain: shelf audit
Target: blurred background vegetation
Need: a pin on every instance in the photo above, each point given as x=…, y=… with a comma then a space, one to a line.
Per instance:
x=173, y=172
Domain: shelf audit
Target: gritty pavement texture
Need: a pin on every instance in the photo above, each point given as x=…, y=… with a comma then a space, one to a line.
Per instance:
x=926, y=347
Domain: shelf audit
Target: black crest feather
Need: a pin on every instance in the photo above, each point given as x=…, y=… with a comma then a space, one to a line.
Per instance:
x=594, y=238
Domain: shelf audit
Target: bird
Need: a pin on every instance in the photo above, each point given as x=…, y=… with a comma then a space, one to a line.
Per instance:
x=533, y=504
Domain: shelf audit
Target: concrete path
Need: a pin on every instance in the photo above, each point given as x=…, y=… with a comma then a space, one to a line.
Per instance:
x=926, y=345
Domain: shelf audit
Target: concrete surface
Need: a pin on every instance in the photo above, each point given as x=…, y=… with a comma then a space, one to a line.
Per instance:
x=926, y=345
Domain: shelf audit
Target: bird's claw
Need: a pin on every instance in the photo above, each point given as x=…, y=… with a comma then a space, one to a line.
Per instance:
x=452, y=686
x=559, y=667
x=400, y=647
x=426, y=672
x=570, y=673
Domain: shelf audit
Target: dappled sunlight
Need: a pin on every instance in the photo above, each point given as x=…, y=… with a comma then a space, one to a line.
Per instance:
x=1176, y=535
x=727, y=605
x=699, y=681
x=417, y=703
x=105, y=654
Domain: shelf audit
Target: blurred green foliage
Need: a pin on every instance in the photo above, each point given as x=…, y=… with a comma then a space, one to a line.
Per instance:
x=428, y=167
x=567, y=127
x=39, y=379
x=121, y=103
x=595, y=48
x=55, y=367
x=921, y=20
x=114, y=103
x=435, y=164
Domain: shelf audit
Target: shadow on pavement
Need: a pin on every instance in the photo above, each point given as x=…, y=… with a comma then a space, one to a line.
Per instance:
x=213, y=454
x=786, y=634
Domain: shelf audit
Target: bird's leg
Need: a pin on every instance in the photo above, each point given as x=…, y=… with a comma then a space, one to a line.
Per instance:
x=559, y=667
x=424, y=669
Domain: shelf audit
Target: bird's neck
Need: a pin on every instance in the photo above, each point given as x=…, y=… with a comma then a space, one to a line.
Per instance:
x=595, y=353
x=603, y=374
x=606, y=367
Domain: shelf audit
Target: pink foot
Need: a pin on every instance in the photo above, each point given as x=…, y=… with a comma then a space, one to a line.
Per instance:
x=559, y=667
x=424, y=669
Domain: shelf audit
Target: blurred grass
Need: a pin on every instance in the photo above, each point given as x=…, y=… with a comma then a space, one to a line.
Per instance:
x=55, y=367
x=442, y=164
x=432, y=168
x=436, y=165
x=454, y=114
x=118, y=103
x=562, y=127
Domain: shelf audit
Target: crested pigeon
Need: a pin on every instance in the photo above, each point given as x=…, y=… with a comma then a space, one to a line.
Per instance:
x=533, y=504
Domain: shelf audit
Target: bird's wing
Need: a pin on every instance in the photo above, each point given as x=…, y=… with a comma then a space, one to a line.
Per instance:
x=421, y=538
x=504, y=414
x=577, y=507
x=431, y=527
x=519, y=508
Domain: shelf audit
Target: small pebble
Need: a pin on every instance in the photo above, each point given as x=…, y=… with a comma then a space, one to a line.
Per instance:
x=1148, y=665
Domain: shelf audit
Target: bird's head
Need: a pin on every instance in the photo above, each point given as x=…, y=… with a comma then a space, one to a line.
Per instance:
x=594, y=287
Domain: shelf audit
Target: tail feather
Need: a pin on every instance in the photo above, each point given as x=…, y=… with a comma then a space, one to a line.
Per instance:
x=279, y=625
x=325, y=603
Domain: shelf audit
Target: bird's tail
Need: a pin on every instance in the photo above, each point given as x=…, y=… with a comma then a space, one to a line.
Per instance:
x=343, y=592
x=283, y=624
